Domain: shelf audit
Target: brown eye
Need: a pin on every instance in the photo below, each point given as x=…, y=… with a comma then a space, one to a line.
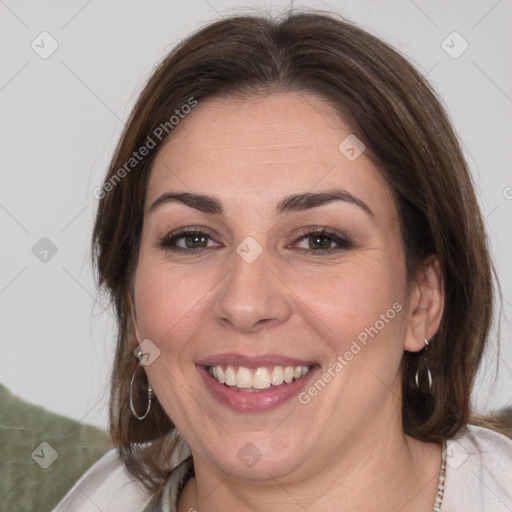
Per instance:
x=321, y=242
x=188, y=240
x=194, y=241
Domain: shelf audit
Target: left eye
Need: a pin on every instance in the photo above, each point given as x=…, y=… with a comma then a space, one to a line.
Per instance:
x=323, y=242
x=192, y=241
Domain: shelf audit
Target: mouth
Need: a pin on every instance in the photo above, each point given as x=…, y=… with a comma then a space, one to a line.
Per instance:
x=255, y=384
x=254, y=380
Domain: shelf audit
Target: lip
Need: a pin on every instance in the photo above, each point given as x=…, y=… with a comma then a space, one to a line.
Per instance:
x=253, y=361
x=260, y=401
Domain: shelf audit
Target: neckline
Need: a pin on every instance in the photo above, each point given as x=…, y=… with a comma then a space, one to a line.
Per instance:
x=185, y=471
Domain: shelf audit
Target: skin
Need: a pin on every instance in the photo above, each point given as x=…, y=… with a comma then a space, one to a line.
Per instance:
x=346, y=447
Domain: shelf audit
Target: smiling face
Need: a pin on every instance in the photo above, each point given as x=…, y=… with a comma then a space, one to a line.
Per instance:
x=286, y=278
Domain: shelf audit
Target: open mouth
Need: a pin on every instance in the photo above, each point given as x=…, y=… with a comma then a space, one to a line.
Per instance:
x=255, y=383
x=250, y=380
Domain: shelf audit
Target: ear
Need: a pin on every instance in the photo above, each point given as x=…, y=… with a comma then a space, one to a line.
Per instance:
x=426, y=305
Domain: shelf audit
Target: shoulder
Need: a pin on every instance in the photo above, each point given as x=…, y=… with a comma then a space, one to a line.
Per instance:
x=478, y=471
x=106, y=486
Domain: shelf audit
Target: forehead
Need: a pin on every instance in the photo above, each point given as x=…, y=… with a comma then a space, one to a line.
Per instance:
x=263, y=147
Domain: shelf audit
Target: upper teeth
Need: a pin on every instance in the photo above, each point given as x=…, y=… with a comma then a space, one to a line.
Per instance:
x=256, y=378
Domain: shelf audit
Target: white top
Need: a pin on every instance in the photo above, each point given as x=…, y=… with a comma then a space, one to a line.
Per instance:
x=105, y=486
x=478, y=478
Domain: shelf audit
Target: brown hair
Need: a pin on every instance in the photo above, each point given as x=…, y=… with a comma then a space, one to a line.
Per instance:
x=393, y=110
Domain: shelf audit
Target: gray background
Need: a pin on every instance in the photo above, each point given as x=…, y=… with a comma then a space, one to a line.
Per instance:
x=61, y=117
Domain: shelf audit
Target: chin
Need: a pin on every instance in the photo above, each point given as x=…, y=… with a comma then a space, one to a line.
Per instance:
x=258, y=456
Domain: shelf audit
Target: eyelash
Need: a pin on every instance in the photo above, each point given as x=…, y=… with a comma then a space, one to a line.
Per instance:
x=168, y=242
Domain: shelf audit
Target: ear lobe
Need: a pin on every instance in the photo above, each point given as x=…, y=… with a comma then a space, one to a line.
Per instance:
x=426, y=305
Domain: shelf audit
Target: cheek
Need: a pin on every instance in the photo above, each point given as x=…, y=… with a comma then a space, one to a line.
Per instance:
x=168, y=303
x=359, y=313
x=352, y=299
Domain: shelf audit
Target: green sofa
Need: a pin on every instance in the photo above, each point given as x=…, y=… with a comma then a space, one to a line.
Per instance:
x=42, y=454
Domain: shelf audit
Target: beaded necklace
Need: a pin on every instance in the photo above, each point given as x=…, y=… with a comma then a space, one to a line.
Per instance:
x=440, y=485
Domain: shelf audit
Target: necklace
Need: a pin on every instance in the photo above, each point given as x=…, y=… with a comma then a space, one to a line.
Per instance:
x=440, y=484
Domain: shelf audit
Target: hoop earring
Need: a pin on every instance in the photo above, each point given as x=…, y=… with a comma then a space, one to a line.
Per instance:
x=150, y=399
x=429, y=374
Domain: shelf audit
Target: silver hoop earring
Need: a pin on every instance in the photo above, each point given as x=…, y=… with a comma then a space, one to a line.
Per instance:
x=427, y=369
x=150, y=399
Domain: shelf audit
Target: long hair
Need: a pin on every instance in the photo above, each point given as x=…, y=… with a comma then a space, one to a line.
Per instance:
x=393, y=110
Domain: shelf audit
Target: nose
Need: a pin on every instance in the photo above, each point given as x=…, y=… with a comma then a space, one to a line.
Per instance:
x=252, y=295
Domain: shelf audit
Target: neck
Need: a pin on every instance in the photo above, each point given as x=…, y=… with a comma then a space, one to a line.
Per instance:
x=376, y=473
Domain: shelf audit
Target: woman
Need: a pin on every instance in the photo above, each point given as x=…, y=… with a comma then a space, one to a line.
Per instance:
x=302, y=284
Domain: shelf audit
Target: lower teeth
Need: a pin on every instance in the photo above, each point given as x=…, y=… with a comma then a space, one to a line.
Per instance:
x=249, y=390
x=254, y=390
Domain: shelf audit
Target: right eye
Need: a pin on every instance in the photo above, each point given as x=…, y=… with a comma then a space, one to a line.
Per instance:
x=188, y=240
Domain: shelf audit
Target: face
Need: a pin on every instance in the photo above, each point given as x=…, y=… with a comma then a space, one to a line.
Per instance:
x=278, y=298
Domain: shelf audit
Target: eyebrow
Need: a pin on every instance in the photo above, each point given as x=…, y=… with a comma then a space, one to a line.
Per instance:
x=291, y=203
